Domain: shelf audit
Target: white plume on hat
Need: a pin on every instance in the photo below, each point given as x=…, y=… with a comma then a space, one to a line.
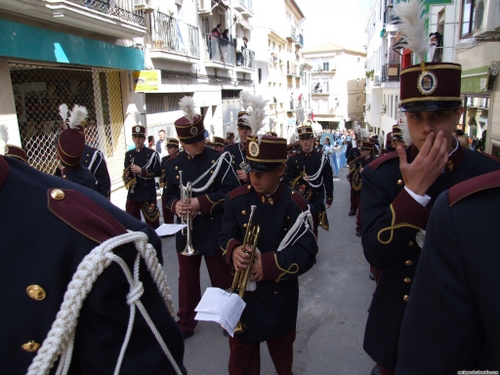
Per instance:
x=77, y=115
x=256, y=113
x=63, y=112
x=412, y=26
x=245, y=99
x=187, y=105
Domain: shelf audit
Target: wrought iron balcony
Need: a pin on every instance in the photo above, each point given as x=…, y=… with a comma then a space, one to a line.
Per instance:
x=293, y=35
x=219, y=50
x=173, y=35
x=113, y=18
x=245, y=58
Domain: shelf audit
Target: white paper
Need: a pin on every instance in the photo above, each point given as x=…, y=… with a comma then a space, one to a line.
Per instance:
x=168, y=229
x=222, y=307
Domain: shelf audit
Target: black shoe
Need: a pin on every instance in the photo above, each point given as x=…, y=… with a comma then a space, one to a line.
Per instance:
x=187, y=334
x=371, y=276
x=352, y=213
x=358, y=233
x=375, y=370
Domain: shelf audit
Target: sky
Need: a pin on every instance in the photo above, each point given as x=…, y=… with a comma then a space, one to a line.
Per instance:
x=340, y=22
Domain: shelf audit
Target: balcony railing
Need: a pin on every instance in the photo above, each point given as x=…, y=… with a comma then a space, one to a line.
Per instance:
x=220, y=49
x=245, y=58
x=292, y=36
x=123, y=9
x=171, y=34
x=300, y=41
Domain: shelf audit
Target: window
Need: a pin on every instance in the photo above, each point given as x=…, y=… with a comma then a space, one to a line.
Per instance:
x=467, y=19
x=326, y=66
x=358, y=102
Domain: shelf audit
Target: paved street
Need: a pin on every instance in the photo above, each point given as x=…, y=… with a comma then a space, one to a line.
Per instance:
x=334, y=298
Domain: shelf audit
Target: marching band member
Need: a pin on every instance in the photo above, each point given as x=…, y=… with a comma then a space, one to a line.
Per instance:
x=142, y=165
x=400, y=188
x=172, y=145
x=68, y=271
x=310, y=173
x=286, y=248
x=211, y=176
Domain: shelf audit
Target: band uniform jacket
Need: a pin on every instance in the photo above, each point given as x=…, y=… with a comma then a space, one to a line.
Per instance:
x=54, y=224
x=451, y=321
x=391, y=219
x=238, y=154
x=356, y=166
x=163, y=177
x=312, y=163
x=145, y=187
x=78, y=174
x=94, y=160
x=271, y=310
x=207, y=224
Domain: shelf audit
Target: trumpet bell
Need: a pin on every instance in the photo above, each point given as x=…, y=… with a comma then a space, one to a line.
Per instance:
x=189, y=251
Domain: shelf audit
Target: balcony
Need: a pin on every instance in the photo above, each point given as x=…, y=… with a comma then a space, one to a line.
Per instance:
x=171, y=35
x=219, y=50
x=292, y=36
x=121, y=20
x=245, y=59
x=245, y=7
x=391, y=73
x=299, y=43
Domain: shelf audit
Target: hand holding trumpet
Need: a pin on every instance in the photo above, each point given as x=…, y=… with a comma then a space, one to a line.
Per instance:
x=241, y=260
x=182, y=208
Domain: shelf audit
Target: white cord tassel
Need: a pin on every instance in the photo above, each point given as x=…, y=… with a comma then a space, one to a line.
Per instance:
x=61, y=335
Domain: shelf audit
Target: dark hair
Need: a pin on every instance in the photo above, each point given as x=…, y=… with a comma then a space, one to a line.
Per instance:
x=218, y=25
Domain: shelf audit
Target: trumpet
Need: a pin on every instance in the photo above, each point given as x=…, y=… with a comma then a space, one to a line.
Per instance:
x=241, y=277
x=186, y=194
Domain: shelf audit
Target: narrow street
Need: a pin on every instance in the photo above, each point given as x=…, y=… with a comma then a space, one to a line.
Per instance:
x=334, y=298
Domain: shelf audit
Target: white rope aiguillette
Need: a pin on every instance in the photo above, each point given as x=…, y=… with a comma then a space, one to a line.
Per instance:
x=61, y=336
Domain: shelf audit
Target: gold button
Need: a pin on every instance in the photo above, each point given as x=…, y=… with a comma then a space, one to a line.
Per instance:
x=407, y=280
x=285, y=229
x=288, y=217
x=249, y=187
x=57, y=194
x=408, y=262
x=400, y=182
x=410, y=243
x=245, y=225
x=31, y=346
x=275, y=292
x=213, y=161
x=211, y=172
x=177, y=177
x=243, y=212
x=406, y=297
x=36, y=292
x=450, y=165
x=176, y=167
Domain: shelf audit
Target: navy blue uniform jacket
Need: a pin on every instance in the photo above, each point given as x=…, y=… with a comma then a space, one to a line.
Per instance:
x=451, y=322
x=271, y=309
x=43, y=242
x=93, y=159
x=145, y=188
x=207, y=224
x=390, y=220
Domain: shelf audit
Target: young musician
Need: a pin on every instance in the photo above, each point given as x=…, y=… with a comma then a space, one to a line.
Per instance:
x=286, y=248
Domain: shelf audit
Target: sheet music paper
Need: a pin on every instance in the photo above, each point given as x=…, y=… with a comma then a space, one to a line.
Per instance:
x=168, y=229
x=222, y=307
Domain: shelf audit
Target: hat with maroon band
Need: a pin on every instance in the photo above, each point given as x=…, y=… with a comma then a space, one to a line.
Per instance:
x=71, y=142
x=189, y=127
x=16, y=152
x=266, y=153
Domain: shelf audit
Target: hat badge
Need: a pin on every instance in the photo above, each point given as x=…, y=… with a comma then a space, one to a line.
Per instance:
x=427, y=83
x=303, y=130
x=137, y=128
x=253, y=149
x=193, y=130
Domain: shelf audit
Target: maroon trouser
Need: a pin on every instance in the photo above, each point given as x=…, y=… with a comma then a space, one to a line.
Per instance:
x=134, y=208
x=189, y=284
x=358, y=216
x=168, y=216
x=354, y=199
x=244, y=357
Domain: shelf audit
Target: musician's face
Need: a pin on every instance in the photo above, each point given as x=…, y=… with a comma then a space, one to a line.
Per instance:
x=138, y=140
x=306, y=144
x=244, y=132
x=172, y=150
x=194, y=148
x=266, y=182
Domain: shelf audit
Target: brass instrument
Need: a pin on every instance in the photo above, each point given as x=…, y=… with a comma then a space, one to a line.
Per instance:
x=300, y=185
x=129, y=178
x=241, y=277
x=186, y=194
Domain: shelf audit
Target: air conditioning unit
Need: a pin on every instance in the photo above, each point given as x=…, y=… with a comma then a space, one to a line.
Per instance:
x=486, y=17
x=384, y=108
x=376, y=81
x=144, y=5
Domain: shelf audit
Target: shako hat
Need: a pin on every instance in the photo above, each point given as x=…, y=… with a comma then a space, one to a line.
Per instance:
x=218, y=141
x=368, y=145
x=426, y=86
x=139, y=131
x=13, y=151
x=397, y=133
x=189, y=127
x=304, y=130
x=172, y=142
x=71, y=142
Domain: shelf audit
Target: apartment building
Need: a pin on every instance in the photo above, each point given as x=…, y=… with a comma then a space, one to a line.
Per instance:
x=337, y=85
